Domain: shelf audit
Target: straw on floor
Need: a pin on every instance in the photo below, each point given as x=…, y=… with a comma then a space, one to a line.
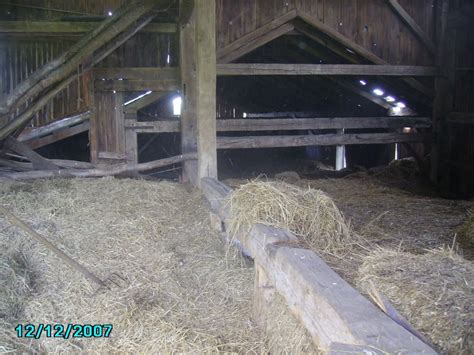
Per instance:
x=434, y=291
x=310, y=214
x=181, y=294
x=465, y=236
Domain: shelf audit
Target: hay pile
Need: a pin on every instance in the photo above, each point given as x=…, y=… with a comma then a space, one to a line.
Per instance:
x=180, y=293
x=310, y=214
x=465, y=236
x=434, y=291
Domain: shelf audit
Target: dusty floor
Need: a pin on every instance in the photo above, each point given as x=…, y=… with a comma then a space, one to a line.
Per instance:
x=181, y=291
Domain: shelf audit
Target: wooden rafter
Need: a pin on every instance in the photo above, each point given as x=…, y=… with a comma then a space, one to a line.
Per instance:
x=412, y=25
x=32, y=28
x=256, y=38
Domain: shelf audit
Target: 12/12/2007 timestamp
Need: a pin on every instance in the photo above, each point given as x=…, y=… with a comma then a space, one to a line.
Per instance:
x=64, y=331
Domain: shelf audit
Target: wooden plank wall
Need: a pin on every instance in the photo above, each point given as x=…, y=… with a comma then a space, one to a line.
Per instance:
x=21, y=57
x=370, y=23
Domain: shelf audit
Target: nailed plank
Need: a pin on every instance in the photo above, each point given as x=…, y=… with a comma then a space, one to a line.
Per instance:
x=321, y=139
x=136, y=85
x=412, y=25
x=323, y=69
x=63, y=27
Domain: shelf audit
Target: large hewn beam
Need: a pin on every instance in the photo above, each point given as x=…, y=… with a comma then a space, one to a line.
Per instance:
x=412, y=25
x=288, y=124
x=336, y=316
x=31, y=28
x=321, y=139
x=187, y=62
x=323, y=69
x=206, y=88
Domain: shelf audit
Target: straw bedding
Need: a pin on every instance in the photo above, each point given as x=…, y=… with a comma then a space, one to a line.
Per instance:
x=181, y=294
x=434, y=291
x=310, y=214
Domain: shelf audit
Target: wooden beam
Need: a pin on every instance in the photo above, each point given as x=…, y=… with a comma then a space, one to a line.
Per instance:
x=31, y=28
x=136, y=85
x=258, y=42
x=58, y=135
x=37, y=160
x=412, y=25
x=360, y=50
x=287, y=124
x=37, y=132
x=323, y=69
x=206, y=88
x=99, y=171
x=321, y=139
x=336, y=316
x=233, y=47
x=142, y=73
x=187, y=58
x=167, y=126
x=290, y=124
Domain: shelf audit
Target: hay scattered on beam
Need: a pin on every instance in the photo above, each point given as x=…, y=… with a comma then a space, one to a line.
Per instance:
x=180, y=292
x=434, y=291
x=310, y=214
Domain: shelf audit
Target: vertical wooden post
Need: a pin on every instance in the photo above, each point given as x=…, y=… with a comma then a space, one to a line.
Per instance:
x=206, y=88
x=93, y=125
x=340, y=153
x=188, y=91
x=131, y=139
x=444, y=98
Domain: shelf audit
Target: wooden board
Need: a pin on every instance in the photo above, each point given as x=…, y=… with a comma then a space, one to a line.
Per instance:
x=321, y=140
x=323, y=69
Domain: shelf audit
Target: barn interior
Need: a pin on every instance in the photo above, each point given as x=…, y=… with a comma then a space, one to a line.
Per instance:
x=248, y=176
